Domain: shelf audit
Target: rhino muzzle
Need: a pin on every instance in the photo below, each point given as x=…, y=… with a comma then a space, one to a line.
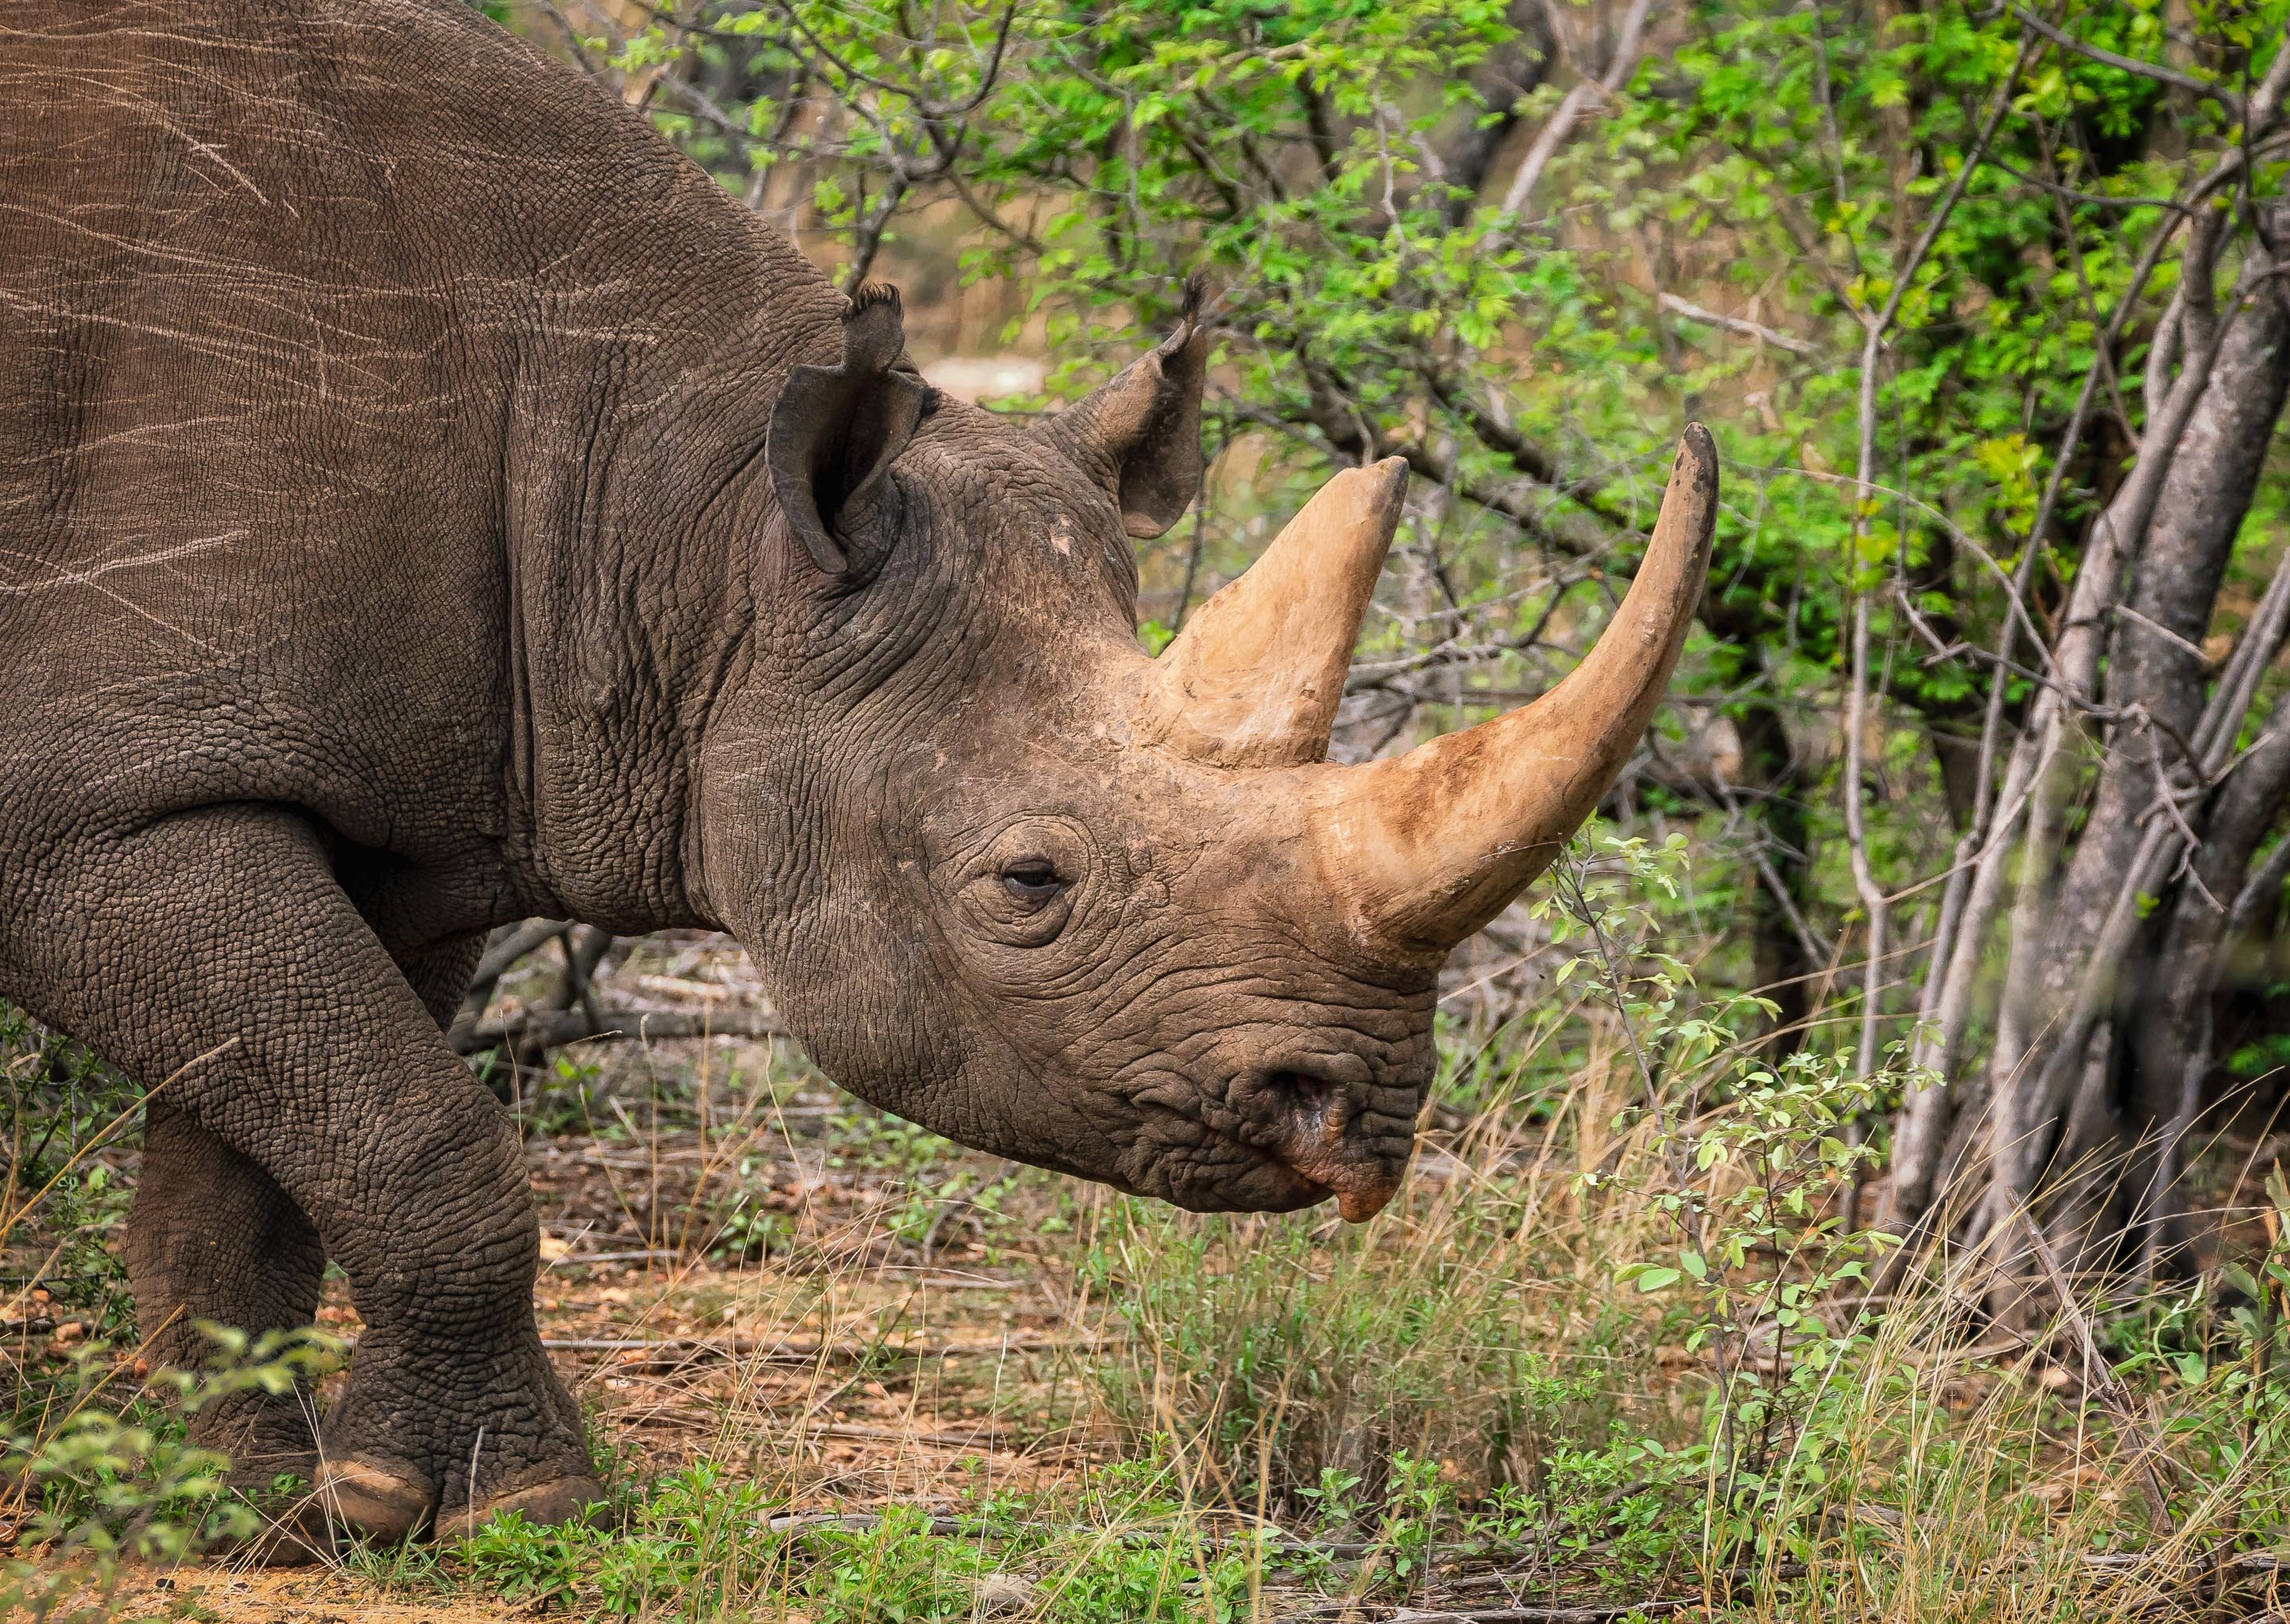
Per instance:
x=1407, y=855
x=1328, y=1131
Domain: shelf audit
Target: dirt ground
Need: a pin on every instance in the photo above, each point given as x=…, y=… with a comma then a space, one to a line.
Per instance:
x=851, y=1369
x=740, y=1263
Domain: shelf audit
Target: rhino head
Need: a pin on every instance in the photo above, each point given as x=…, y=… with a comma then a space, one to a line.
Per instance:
x=1013, y=879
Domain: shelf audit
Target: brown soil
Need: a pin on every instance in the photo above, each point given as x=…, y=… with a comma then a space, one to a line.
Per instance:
x=740, y=1264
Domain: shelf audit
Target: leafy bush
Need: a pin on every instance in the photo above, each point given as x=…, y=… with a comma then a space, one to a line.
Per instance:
x=62, y=1112
x=98, y=1487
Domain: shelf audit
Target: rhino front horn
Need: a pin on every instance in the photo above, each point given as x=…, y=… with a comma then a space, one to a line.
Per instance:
x=1430, y=845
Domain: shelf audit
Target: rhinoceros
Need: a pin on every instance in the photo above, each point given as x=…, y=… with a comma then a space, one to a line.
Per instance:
x=427, y=500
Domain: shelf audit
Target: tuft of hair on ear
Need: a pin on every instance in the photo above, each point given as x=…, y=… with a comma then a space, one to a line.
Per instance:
x=1191, y=316
x=1140, y=436
x=1196, y=300
x=874, y=329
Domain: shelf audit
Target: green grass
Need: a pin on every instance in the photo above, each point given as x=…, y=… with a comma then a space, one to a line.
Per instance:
x=1596, y=1351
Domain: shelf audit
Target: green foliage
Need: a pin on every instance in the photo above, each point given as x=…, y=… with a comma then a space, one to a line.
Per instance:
x=893, y=1573
x=1750, y=1164
x=61, y=1200
x=700, y=1543
x=104, y=1484
x=687, y=1548
x=113, y=1489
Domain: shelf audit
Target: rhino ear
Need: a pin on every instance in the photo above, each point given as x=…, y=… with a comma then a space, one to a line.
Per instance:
x=836, y=428
x=1140, y=436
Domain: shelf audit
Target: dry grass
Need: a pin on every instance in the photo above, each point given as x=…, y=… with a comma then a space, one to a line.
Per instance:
x=1068, y=1406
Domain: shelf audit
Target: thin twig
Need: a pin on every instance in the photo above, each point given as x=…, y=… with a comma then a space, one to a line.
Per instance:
x=1554, y=134
x=2156, y=71
x=1693, y=312
x=2096, y=1368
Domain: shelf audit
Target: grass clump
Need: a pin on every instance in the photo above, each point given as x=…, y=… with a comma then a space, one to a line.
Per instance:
x=704, y=1543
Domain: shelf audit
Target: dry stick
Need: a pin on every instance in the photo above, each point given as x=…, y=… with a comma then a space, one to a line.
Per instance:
x=1973, y=880
x=501, y=957
x=1772, y=880
x=2261, y=889
x=1873, y=900
x=678, y=1351
x=2164, y=1179
x=510, y=944
x=1553, y=135
x=2095, y=1364
x=543, y=1029
x=1600, y=1612
x=1763, y=334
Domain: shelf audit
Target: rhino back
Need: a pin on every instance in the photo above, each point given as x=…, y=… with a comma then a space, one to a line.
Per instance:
x=332, y=322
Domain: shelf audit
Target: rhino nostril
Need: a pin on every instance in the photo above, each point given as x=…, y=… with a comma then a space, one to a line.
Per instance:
x=1322, y=1106
x=1309, y=1094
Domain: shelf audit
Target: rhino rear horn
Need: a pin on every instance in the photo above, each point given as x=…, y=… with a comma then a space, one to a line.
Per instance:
x=1255, y=677
x=836, y=428
x=1140, y=436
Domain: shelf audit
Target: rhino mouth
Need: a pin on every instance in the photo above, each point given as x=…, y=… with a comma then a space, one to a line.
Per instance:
x=1328, y=1132
x=1303, y=1147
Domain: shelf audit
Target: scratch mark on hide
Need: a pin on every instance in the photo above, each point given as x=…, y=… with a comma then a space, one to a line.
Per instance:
x=125, y=101
x=64, y=576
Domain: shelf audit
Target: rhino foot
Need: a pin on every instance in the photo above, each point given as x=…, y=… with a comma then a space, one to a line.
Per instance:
x=574, y=1498
x=385, y=1501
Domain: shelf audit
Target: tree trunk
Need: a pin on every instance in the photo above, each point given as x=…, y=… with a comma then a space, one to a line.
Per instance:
x=2171, y=1021
x=2156, y=692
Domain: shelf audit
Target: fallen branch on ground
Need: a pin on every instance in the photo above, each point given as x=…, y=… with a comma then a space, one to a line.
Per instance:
x=542, y=1030
x=670, y=1352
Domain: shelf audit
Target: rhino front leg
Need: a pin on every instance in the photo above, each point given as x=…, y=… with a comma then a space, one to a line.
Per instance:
x=214, y=949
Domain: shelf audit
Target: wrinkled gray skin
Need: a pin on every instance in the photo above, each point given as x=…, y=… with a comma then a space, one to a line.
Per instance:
x=386, y=552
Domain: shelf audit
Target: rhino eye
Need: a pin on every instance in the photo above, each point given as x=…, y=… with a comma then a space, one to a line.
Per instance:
x=1031, y=880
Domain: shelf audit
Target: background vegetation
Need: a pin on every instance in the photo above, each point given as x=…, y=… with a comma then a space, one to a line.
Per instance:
x=1855, y=1188
x=1976, y=749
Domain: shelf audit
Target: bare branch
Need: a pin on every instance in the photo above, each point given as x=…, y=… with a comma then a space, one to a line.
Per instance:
x=1736, y=324
x=1554, y=134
